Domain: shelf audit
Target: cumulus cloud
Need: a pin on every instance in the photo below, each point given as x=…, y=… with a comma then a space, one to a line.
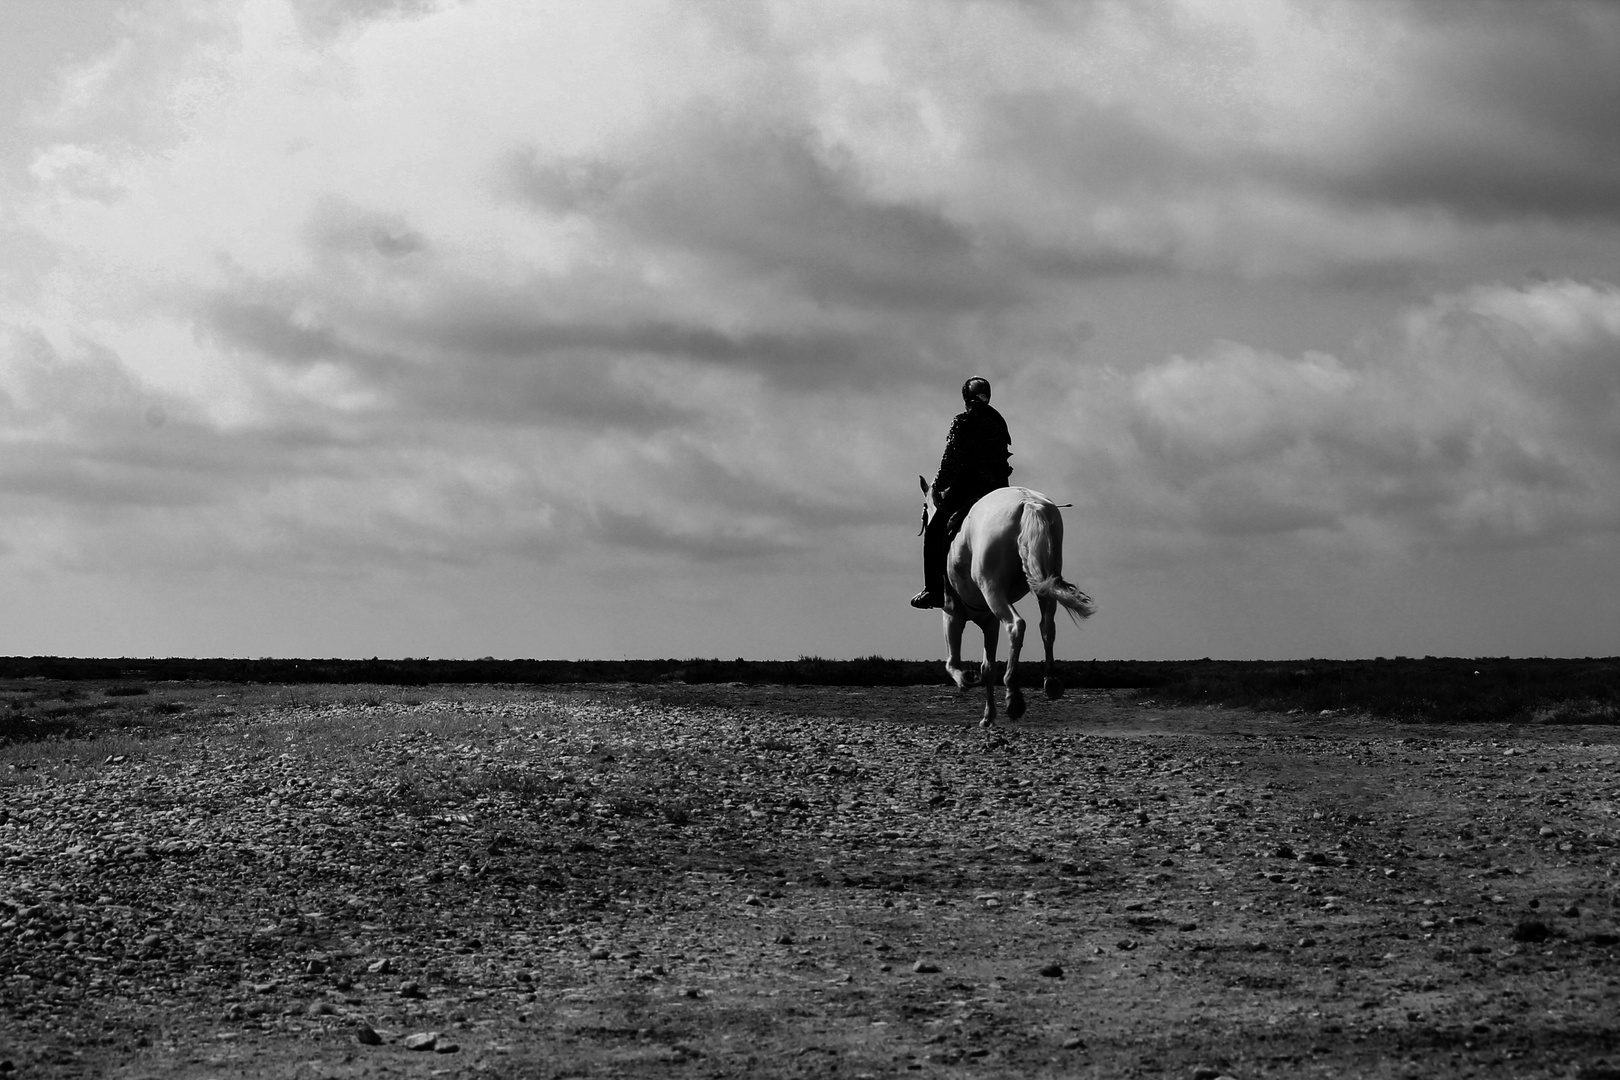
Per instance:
x=1487, y=417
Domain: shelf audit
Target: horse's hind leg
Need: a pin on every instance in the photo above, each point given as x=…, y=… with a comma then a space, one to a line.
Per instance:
x=1051, y=683
x=987, y=671
x=1015, y=644
x=959, y=674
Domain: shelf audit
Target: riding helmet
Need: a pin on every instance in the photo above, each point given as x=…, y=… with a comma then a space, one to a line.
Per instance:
x=974, y=387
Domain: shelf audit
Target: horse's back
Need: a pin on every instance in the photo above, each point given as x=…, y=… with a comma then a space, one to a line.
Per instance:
x=999, y=512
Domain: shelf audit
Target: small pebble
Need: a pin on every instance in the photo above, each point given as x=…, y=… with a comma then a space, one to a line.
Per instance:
x=381, y=967
x=923, y=967
x=422, y=1040
x=1052, y=971
x=366, y=1035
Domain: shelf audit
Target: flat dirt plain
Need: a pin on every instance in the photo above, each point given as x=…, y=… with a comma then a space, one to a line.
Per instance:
x=733, y=881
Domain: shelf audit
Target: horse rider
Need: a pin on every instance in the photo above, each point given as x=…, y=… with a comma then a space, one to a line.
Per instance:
x=973, y=465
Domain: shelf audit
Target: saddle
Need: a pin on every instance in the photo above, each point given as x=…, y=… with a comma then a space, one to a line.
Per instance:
x=978, y=491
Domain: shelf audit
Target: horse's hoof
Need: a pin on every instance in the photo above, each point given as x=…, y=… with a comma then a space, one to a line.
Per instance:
x=1015, y=704
x=986, y=721
x=1053, y=688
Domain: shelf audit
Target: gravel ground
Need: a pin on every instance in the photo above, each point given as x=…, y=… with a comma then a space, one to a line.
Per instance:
x=745, y=881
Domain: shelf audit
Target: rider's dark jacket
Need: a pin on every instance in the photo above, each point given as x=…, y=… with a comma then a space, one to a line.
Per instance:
x=976, y=452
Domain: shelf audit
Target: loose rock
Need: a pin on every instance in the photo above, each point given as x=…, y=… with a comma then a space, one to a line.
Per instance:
x=1531, y=930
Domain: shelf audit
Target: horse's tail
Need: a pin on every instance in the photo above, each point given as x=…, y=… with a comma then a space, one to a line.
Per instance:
x=1040, y=548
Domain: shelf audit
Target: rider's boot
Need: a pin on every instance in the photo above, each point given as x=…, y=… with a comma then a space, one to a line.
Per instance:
x=935, y=543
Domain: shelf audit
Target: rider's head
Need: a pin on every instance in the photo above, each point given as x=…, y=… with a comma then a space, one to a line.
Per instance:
x=975, y=388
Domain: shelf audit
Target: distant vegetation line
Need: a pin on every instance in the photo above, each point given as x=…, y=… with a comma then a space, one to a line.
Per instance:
x=1432, y=688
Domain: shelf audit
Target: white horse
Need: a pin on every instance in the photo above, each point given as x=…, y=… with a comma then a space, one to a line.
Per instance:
x=1009, y=545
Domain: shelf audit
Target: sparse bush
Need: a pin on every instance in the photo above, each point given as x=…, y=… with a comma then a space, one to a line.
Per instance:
x=20, y=727
x=1435, y=689
x=525, y=784
x=1577, y=712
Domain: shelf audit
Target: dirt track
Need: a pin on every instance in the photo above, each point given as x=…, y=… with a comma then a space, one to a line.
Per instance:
x=738, y=881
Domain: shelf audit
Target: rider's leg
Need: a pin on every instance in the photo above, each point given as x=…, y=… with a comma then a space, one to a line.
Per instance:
x=936, y=547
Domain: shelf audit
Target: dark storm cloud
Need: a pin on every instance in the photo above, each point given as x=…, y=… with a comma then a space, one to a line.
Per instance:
x=500, y=331
x=123, y=459
x=764, y=202
x=1490, y=110
x=1099, y=148
x=267, y=323
x=84, y=434
x=503, y=358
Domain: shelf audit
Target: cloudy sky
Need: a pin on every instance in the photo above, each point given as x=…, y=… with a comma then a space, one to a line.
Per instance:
x=623, y=329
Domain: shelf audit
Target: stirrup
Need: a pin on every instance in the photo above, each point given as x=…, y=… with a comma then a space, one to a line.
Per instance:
x=926, y=600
